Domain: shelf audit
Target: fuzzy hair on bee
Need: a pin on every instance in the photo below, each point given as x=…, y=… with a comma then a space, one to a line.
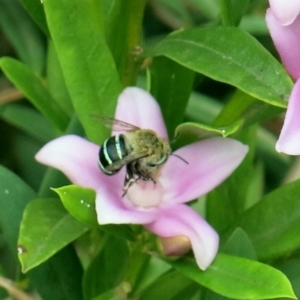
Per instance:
x=142, y=151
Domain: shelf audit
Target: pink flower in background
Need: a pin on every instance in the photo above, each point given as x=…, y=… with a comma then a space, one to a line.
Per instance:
x=159, y=207
x=287, y=42
x=285, y=11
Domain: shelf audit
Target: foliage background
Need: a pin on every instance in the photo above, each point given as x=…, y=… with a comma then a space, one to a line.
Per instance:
x=49, y=87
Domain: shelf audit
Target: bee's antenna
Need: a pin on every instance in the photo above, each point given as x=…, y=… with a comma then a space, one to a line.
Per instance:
x=180, y=158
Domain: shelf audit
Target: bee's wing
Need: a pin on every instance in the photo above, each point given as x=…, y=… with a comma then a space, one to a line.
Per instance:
x=127, y=160
x=114, y=124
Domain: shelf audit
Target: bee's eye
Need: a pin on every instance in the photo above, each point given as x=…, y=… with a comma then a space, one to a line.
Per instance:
x=151, y=165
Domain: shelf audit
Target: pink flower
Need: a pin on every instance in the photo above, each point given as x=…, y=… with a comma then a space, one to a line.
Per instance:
x=285, y=11
x=159, y=207
x=287, y=43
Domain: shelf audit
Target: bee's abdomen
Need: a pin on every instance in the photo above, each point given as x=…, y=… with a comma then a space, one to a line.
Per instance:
x=113, y=150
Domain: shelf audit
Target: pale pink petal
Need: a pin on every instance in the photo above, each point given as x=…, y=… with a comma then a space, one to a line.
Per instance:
x=209, y=162
x=182, y=220
x=285, y=11
x=289, y=139
x=112, y=208
x=287, y=42
x=78, y=160
x=139, y=108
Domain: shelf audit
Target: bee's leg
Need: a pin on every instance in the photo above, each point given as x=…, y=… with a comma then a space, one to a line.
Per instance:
x=129, y=179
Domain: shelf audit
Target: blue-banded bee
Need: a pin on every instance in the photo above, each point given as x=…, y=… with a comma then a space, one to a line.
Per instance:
x=142, y=151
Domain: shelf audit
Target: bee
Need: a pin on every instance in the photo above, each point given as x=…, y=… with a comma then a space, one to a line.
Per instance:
x=142, y=151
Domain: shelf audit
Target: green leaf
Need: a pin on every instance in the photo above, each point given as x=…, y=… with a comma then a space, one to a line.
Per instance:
x=244, y=107
x=15, y=195
x=239, y=244
x=171, y=86
x=26, y=118
x=36, y=11
x=238, y=278
x=24, y=35
x=63, y=275
x=124, y=35
x=56, y=82
x=229, y=55
x=190, y=132
x=232, y=11
x=273, y=223
x=45, y=229
x=166, y=286
x=87, y=64
x=80, y=202
x=107, y=269
x=34, y=90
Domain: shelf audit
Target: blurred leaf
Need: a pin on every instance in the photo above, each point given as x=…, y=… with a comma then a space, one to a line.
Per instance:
x=273, y=223
x=209, y=8
x=124, y=35
x=26, y=119
x=227, y=201
x=34, y=90
x=24, y=35
x=60, y=277
x=202, y=108
x=56, y=82
x=229, y=55
x=107, y=269
x=166, y=286
x=15, y=195
x=45, y=229
x=239, y=244
x=232, y=11
x=80, y=202
x=244, y=107
x=171, y=86
x=238, y=278
x=86, y=62
x=291, y=269
x=36, y=11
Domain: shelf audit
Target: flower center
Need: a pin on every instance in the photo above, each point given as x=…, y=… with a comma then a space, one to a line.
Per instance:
x=145, y=194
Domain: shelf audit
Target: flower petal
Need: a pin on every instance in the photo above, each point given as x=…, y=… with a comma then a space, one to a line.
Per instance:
x=287, y=42
x=285, y=11
x=182, y=220
x=209, y=162
x=289, y=139
x=78, y=160
x=139, y=108
x=112, y=208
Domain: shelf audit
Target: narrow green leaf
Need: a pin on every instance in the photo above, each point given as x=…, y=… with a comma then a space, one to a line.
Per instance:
x=273, y=223
x=26, y=119
x=238, y=278
x=232, y=11
x=124, y=35
x=80, y=202
x=24, y=35
x=34, y=90
x=45, y=229
x=107, y=269
x=56, y=82
x=171, y=86
x=86, y=62
x=229, y=55
x=36, y=11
